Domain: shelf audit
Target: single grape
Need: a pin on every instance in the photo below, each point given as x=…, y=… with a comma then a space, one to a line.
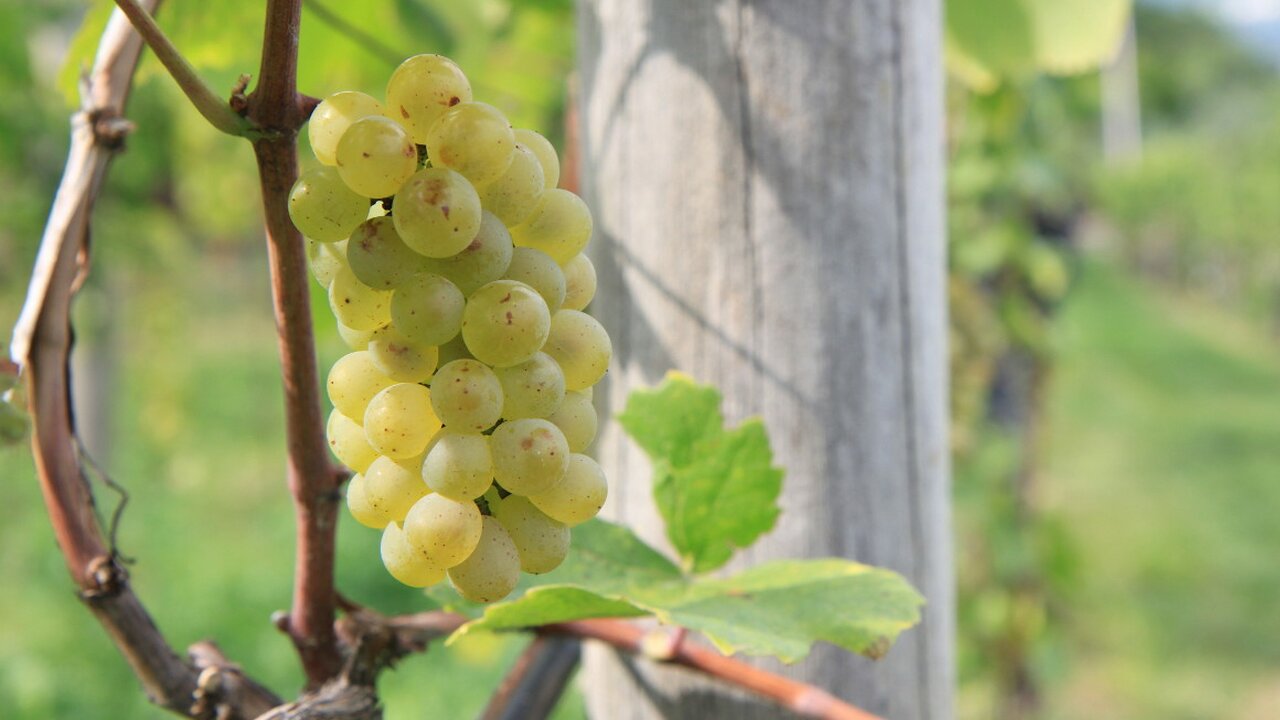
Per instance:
x=348, y=443
x=323, y=208
x=375, y=156
x=542, y=543
x=332, y=117
x=325, y=260
x=458, y=466
x=473, y=138
x=379, y=258
x=437, y=212
x=399, y=421
x=357, y=305
x=577, y=419
x=427, y=309
x=582, y=347
x=516, y=194
x=537, y=270
x=579, y=283
x=493, y=570
x=483, y=261
x=467, y=396
x=421, y=89
x=354, y=339
x=530, y=455
x=400, y=358
x=532, y=389
x=393, y=486
x=560, y=227
x=353, y=380
x=544, y=151
x=406, y=563
x=365, y=512
x=578, y=497
x=505, y=323
x=447, y=531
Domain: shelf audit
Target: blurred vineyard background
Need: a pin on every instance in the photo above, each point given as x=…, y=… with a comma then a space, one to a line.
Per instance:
x=1115, y=301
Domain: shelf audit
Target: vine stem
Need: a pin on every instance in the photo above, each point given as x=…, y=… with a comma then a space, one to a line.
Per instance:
x=42, y=347
x=277, y=107
x=206, y=101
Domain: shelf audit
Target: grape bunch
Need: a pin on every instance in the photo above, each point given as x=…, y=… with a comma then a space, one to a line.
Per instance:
x=454, y=268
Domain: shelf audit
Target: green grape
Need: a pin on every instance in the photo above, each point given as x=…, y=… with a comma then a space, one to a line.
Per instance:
x=505, y=323
x=325, y=260
x=481, y=262
x=579, y=283
x=532, y=389
x=541, y=542
x=375, y=156
x=427, y=309
x=582, y=347
x=354, y=339
x=577, y=419
x=473, y=138
x=332, y=117
x=348, y=443
x=393, y=486
x=544, y=151
x=437, y=212
x=400, y=358
x=530, y=455
x=447, y=531
x=357, y=305
x=379, y=258
x=421, y=89
x=537, y=270
x=353, y=380
x=458, y=466
x=399, y=421
x=467, y=396
x=578, y=497
x=493, y=570
x=323, y=208
x=560, y=227
x=516, y=194
x=365, y=512
x=406, y=563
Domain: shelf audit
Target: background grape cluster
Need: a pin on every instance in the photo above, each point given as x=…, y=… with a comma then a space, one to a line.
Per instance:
x=454, y=268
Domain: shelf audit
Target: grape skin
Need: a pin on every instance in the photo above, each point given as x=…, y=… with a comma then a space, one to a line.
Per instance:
x=541, y=543
x=445, y=530
x=578, y=497
x=348, y=443
x=467, y=396
x=353, y=380
x=427, y=309
x=560, y=227
x=582, y=347
x=406, y=563
x=530, y=456
x=332, y=117
x=532, y=389
x=399, y=421
x=537, y=270
x=365, y=512
x=393, y=486
x=323, y=208
x=505, y=323
x=437, y=212
x=473, y=138
x=544, y=151
x=375, y=156
x=458, y=466
x=580, y=283
x=517, y=193
x=401, y=358
x=378, y=256
x=357, y=305
x=483, y=261
x=493, y=570
x=576, y=418
x=422, y=89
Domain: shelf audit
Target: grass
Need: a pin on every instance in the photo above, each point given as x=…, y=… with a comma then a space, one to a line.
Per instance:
x=1164, y=456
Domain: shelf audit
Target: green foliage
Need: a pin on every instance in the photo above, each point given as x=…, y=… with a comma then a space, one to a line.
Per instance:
x=718, y=489
x=991, y=41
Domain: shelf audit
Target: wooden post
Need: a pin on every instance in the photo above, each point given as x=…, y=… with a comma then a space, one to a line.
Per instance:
x=766, y=177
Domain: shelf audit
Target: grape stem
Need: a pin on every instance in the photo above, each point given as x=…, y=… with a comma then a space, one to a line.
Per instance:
x=206, y=101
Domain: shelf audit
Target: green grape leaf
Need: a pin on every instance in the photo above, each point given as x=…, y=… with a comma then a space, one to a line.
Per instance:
x=717, y=490
x=780, y=608
x=83, y=46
